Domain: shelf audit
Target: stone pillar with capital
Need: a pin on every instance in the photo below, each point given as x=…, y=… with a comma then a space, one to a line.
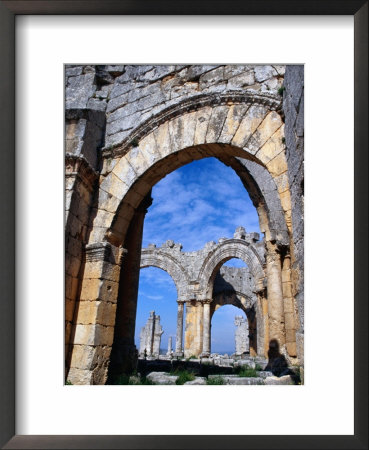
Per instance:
x=194, y=328
x=179, y=336
x=124, y=354
x=95, y=315
x=275, y=295
x=206, y=329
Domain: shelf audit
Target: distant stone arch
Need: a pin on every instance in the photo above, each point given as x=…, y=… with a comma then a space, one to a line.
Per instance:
x=152, y=257
x=228, y=249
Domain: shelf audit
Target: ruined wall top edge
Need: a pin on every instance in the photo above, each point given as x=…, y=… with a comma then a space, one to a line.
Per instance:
x=129, y=95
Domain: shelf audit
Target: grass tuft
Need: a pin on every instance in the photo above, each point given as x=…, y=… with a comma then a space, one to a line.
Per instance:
x=215, y=380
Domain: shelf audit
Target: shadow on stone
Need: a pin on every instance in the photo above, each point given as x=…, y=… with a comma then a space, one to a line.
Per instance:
x=277, y=363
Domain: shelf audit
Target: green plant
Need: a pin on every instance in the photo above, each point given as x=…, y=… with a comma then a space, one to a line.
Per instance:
x=281, y=90
x=183, y=376
x=215, y=380
x=68, y=383
x=191, y=357
x=134, y=142
x=258, y=367
x=245, y=371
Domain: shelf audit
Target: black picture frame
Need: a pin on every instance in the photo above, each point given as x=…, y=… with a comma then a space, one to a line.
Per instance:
x=8, y=11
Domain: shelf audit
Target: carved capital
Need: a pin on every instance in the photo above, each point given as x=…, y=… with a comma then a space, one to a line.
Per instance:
x=104, y=251
x=78, y=166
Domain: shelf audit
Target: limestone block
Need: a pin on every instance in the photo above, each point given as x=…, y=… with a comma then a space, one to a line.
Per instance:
x=72, y=71
x=272, y=147
x=264, y=373
x=114, y=186
x=80, y=376
x=265, y=130
x=108, y=166
x=262, y=73
x=93, y=335
x=103, y=270
x=182, y=131
x=108, y=202
x=79, y=90
x=162, y=378
x=99, y=289
x=202, y=121
x=96, y=312
x=86, y=357
x=252, y=119
x=196, y=381
x=213, y=77
x=285, y=200
x=97, y=234
x=139, y=162
x=282, y=182
x=216, y=122
x=232, y=122
x=195, y=71
x=232, y=70
x=163, y=140
x=247, y=381
x=242, y=80
x=102, y=219
x=149, y=150
x=278, y=165
x=285, y=380
x=123, y=169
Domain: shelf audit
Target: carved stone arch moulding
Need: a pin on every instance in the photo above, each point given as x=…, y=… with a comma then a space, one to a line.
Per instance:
x=250, y=132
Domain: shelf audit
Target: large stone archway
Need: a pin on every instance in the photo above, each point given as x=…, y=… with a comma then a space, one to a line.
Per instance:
x=241, y=127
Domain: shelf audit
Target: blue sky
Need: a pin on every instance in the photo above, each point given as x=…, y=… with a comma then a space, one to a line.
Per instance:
x=200, y=202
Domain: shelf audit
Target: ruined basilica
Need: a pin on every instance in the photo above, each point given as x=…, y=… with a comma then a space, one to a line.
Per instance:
x=127, y=127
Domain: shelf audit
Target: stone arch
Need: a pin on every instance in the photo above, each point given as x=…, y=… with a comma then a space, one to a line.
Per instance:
x=251, y=309
x=166, y=262
x=231, y=248
x=250, y=131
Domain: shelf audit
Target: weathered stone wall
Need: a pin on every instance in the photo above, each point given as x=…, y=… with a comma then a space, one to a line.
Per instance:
x=84, y=132
x=143, y=91
x=293, y=107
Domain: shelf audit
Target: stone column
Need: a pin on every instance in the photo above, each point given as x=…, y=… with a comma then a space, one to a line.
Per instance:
x=95, y=315
x=169, y=352
x=275, y=295
x=206, y=330
x=194, y=328
x=124, y=353
x=289, y=307
x=179, y=337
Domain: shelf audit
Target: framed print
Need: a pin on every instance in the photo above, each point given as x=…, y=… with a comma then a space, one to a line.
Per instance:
x=90, y=48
